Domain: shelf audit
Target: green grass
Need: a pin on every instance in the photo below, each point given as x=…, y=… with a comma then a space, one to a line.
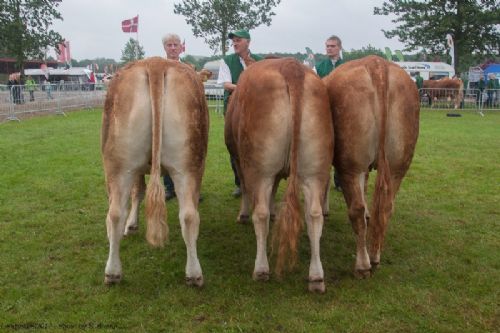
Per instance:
x=439, y=272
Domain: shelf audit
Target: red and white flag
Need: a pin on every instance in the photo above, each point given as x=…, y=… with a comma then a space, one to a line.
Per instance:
x=64, y=52
x=131, y=25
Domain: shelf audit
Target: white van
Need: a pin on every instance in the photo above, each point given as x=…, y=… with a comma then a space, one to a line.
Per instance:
x=428, y=70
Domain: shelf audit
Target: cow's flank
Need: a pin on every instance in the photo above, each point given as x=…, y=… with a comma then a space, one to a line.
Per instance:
x=278, y=125
x=155, y=121
x=375, y=107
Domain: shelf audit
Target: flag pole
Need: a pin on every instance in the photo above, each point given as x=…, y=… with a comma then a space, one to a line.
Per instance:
x=137, y=38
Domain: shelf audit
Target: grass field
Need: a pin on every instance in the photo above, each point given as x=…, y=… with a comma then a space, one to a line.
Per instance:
x=439, y=272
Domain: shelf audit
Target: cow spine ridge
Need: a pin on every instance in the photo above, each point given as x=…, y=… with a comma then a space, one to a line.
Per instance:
x=157, y=228
x=381, y=195
x=287, y=229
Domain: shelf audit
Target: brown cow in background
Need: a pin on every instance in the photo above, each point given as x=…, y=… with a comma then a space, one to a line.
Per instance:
x=375, y=108
x=155, y=121
x=445, y=88
x=279, y=125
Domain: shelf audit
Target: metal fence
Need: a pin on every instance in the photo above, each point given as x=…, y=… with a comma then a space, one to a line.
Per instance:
x=17, y=101
x=470, y=99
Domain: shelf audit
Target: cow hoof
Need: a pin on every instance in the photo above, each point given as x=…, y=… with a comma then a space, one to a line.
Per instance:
x=362, y=273
x=194, y=281
x=111, y=279
x=260, y=276
x=375, y=266
x=131, y=230
x=317, y=286
x=243, y=219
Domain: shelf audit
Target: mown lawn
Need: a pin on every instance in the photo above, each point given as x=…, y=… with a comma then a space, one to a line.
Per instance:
x=440, y=267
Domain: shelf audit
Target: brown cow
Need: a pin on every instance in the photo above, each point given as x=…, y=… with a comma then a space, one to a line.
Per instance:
x=445, y=88
x=155, y=121
x=375, y=108
x=279, y=125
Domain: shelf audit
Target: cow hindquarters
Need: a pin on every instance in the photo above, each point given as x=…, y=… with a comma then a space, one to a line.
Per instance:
x=119, y=187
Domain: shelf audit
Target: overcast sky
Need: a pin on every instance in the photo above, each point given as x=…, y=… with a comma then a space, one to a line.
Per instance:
x=93, y=27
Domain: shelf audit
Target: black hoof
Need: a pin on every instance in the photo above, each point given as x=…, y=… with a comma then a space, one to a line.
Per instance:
x=195, y=281
x=111, y=279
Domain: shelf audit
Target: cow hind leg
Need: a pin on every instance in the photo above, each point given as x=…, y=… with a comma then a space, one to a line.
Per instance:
x=119, y=192
x=137, y=195
x=313, y=195
x=262, y=193
x=353, y=189
x=244, y=214
x=188, y=194
x=378, y=223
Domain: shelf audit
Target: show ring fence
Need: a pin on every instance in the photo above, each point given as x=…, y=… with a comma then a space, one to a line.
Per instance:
x=17, y=102
x=470, y=99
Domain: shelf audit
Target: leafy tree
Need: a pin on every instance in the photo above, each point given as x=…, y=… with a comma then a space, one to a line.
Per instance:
x=132, y=51
x=214, y=19
x=363, y=52
x=424, y=24
x=24, y=26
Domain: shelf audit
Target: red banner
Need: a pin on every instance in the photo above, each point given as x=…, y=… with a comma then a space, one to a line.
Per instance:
x=131, y=25
x=64, y=53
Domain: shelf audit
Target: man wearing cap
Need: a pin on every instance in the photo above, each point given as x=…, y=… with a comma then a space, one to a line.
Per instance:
x=229, y=72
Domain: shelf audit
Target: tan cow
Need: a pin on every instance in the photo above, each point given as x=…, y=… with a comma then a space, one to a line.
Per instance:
x=155, y=121
x=445, y=88
x=375, y=108
x=278, y=125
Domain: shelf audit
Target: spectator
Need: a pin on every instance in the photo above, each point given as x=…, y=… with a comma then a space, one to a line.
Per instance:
x=480, y=89
x=30, y=86
x=91, y=81
x=491, y=89
x=48, y=88
x=333, y=47
x=14, y=86
x=230, y=70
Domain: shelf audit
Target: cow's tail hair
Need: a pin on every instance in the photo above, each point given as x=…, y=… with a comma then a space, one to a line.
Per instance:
x=383, y=183
x=157, y=228
x=288, y=225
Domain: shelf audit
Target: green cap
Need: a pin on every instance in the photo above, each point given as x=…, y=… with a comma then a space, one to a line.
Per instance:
x=240, y=33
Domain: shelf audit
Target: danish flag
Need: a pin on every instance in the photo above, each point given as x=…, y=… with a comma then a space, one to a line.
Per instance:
x=131, y=25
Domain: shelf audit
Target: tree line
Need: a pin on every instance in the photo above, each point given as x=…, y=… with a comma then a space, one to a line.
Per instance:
x=420, y=25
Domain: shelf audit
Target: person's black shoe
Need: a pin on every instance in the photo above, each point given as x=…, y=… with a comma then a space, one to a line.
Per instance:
x=169, y=195
x=237, y=192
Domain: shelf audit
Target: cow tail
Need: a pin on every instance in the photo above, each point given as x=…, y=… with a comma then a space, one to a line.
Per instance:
x=383, y=186
x=288, y=225
x=157, y=228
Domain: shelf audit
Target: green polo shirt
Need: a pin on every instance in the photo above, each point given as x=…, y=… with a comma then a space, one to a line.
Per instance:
x=236, y=68
x=323, y=68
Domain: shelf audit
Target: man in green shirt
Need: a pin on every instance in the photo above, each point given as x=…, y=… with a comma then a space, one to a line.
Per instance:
x=419, y=81
x=333, y=47
x=230, y=70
